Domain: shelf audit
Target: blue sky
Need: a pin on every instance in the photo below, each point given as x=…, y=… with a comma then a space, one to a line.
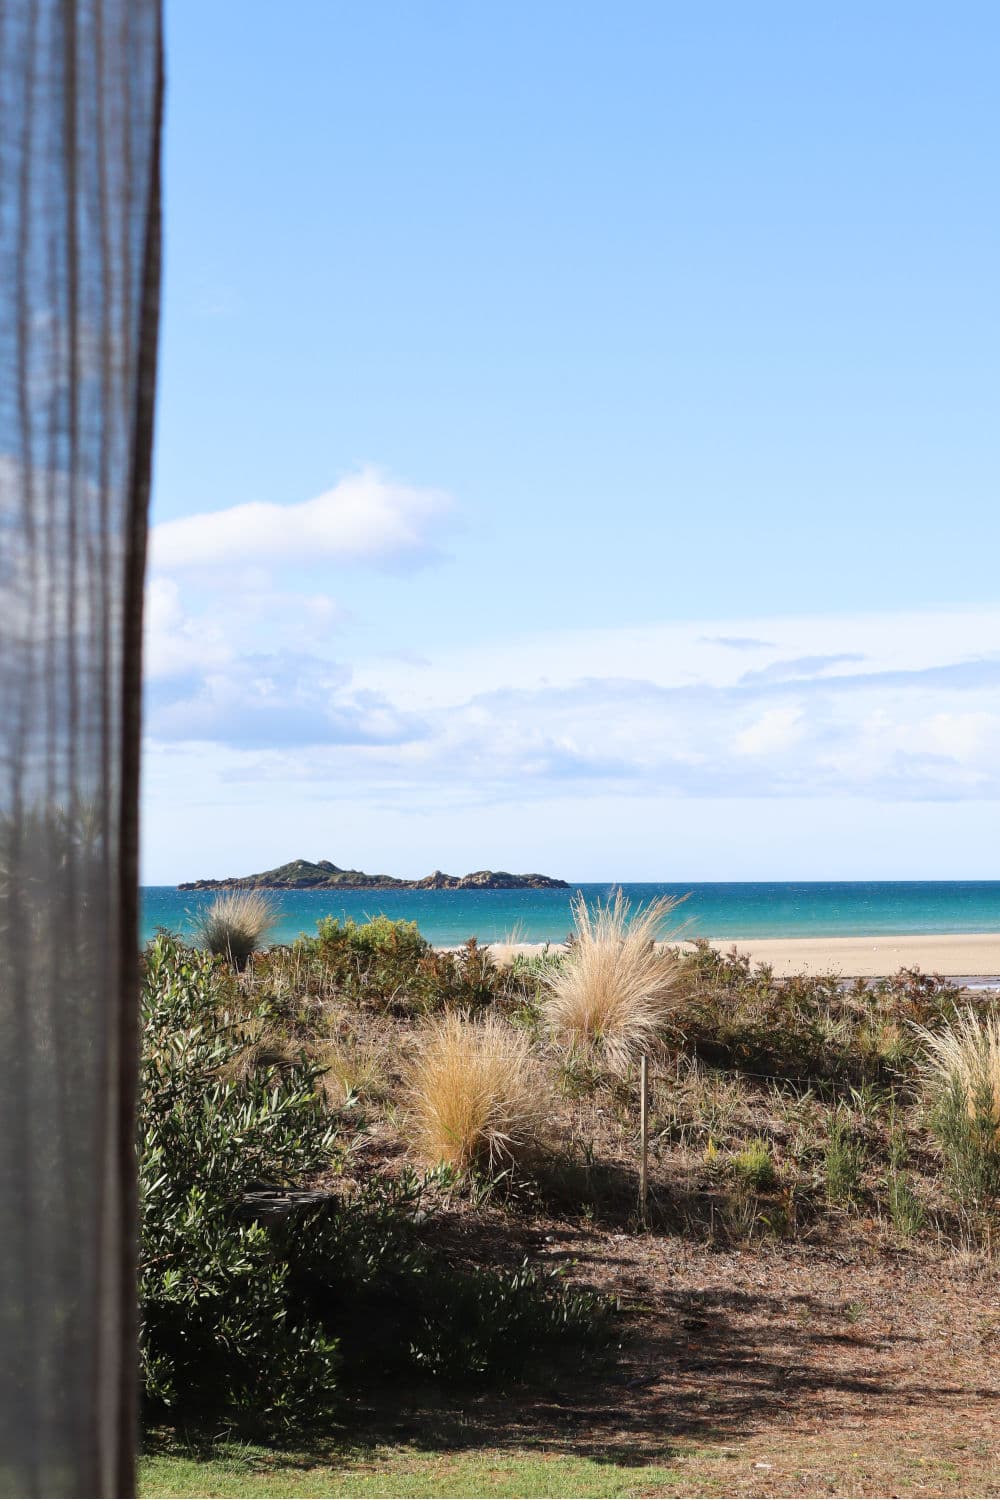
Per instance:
x=577, y=444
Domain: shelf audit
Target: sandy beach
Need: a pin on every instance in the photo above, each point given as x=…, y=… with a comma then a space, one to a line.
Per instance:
x=966, y=955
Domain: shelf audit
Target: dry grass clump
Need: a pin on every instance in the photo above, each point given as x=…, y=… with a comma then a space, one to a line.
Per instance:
x=616, y=989
x=475, y=1091
x=963, y=1061
x=236, y=924
x=962, y=1066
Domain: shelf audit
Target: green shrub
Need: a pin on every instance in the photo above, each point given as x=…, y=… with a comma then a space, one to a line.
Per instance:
x=388, y=967
x=402, y=1308
x=736, y=1014
x=220, y=1333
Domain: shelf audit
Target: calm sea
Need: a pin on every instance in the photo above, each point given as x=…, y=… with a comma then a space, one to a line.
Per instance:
x=716, y=910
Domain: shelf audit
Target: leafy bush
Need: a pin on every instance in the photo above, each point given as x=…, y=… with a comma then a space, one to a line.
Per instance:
x=236, y=924
x=220, y=1333
x=476, y=1093
x=615, y=990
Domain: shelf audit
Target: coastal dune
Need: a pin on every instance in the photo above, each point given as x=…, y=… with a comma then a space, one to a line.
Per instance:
x=970, y=955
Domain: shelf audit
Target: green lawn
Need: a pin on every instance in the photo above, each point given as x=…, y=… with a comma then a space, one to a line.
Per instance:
x=401, y=1472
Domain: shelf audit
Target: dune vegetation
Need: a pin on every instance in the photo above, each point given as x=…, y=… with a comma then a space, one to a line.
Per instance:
x=360, y=1156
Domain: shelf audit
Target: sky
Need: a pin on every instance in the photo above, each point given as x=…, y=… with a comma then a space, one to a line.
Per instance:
x=577, y=442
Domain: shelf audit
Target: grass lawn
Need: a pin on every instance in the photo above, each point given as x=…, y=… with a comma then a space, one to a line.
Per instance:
x=840, y=1463
x=401, y=1472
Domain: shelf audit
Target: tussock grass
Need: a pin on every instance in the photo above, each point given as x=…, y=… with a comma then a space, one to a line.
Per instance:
x=236, y=924
x=475, y=1092
x=615, y=990
x=962, y=1068
x=964, y=1058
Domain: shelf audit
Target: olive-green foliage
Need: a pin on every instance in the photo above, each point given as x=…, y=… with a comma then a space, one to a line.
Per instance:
x=220, y=1329
x=737, y=1014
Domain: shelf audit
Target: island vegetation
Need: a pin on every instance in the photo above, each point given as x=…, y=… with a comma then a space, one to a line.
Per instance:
x=306, y=875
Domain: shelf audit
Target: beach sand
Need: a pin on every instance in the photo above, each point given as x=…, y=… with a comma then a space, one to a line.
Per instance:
x=965, y=955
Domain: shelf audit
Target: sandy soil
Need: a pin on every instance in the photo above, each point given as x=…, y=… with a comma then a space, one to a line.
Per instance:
x=784, y=1370
x=969, y=955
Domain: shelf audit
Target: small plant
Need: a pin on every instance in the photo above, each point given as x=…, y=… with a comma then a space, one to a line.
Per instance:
x=962, y=1069
x=615, y=989
x=236, y=924
x=754, y=1165
x=905, y=1208
x=476, y=1094
x=843, y=1161
x=352, y=1070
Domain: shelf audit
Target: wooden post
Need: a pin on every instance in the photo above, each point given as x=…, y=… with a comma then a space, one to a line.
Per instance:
x=644, y=1140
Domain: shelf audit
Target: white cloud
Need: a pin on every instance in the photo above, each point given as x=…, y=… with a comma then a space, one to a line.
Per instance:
x=364, y=518
x=775, y=730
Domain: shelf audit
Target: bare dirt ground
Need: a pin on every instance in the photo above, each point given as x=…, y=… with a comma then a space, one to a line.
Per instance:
x=778, y=1370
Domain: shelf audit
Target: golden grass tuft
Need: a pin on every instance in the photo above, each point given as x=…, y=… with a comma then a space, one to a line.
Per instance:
x=963, y=1065
x=236, y=924
x=476, y=1093
x=615, y=989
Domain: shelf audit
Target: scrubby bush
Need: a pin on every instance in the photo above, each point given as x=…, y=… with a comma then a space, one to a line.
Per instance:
x=615, y=990
x=236, y=924
x=476, y=1094
x=962, y=1069
x=220, y=1330
x=734, y=1013
x=384, y=966
x=402, y=1308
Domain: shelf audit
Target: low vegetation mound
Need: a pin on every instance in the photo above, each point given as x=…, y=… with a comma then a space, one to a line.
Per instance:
x=350, y=1144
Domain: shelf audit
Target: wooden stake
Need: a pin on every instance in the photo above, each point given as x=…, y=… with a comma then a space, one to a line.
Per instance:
x=644, y=1140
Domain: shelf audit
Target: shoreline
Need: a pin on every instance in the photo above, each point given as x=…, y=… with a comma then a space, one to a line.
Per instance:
x=958, y=955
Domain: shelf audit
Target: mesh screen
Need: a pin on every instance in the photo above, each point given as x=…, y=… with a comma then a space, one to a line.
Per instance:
x=79, y=231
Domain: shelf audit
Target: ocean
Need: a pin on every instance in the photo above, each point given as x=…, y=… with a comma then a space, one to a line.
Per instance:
x=743, y=909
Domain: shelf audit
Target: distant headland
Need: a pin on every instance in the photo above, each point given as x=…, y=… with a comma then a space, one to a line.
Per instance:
x=304, y=875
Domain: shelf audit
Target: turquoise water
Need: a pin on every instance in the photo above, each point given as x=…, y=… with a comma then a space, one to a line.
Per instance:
x=717, y=910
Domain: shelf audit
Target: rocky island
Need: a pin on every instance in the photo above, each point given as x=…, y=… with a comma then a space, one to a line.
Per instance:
x=304, y=875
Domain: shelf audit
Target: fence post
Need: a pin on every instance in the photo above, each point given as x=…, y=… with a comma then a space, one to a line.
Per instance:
x=644, y=1140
